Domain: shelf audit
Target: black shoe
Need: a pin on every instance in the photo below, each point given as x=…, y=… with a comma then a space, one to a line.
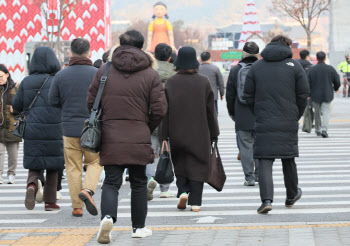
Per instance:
x=290, y=202
x=324, y=134
x=318, y=134
x=265, y=207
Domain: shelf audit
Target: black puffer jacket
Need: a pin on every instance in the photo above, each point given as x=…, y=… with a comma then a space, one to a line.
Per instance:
x=241, y=113
x=43, y=144
x=277, y=87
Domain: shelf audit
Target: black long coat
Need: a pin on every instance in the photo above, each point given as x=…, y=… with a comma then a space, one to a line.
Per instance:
x=190, y=124
x=43, y=141
x=277, y=87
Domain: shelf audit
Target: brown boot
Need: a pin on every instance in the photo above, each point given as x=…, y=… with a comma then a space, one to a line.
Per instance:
x=77, y=212
x=89, y=202
x=29, y=201
x=51, y=207
x=239, y=156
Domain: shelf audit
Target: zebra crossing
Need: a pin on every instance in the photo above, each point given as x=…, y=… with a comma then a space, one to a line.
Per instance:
x=324, y=176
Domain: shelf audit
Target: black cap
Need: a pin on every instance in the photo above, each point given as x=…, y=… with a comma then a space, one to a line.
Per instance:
x=187, y=58
x=251, y=48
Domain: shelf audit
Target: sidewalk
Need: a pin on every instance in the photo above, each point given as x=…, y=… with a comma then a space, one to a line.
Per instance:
x=335, y=234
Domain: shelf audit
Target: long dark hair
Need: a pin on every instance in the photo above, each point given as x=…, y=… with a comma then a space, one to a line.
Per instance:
x=4, y=69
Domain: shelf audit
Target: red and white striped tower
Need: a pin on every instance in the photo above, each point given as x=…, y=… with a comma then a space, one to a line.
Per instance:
x=251, y=23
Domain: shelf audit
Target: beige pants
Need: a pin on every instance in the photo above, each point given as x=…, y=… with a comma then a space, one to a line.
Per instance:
x=12, y=152
x=73, y=155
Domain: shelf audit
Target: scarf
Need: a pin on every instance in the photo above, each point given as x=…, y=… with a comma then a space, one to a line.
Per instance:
x=77, y=60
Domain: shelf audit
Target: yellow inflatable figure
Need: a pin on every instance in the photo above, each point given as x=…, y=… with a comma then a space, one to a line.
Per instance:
x=160, y=30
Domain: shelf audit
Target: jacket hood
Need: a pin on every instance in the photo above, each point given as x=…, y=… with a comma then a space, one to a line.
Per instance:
x=129, y=59
x=44, y=61
x=275, y=51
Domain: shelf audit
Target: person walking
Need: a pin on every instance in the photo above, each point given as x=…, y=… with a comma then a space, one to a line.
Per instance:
x=344, y=67
x=304, y=60
x=215, y=77
x=68, y=92
x=165, y=71
x=241, y=113
x=8, y=141
x=43, y=143
x=324, y=81
x=277, y=88
x=191, y=126
x=133, y=104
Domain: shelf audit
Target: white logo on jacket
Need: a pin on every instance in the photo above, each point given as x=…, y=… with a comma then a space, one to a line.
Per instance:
x=290, y=64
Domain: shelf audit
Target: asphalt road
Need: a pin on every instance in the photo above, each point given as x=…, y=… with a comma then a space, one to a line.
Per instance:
x=324, y=176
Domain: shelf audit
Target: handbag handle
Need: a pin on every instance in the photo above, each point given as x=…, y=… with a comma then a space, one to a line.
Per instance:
x=165, y=143
x=215, y=149
x=97, y=102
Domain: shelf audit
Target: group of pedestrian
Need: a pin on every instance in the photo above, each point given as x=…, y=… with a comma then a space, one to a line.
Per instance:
x=147, y=101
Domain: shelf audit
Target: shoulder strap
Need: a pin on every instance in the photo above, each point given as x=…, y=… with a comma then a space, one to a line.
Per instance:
x=242, y=64
x=38, y=93
x=97, y=102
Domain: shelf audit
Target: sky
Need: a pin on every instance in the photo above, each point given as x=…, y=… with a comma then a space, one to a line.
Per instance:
x=193, y=12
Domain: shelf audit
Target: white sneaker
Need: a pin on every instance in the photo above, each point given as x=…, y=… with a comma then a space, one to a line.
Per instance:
x=12, y=179
x=1, y=180
x=195, y=208
x=59, y=195
x=166, y=194
x=106, y=226
x=141, y=232
x=152, y=184
x=40, y=195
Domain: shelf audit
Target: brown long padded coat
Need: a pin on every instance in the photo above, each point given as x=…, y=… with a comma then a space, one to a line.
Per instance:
x=190, y=124
x=133, y=104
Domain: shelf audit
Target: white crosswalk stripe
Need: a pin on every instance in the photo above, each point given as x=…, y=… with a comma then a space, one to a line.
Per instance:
x=324, y=176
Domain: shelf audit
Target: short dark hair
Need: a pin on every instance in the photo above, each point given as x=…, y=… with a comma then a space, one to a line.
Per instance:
x=304, y=54
x=205, y=56
x=283, y=40
x=163, y=52
x=321, y=56
x=80, y=47
x=173, y=58
x=105, y=56
x=98, y=63
x=133, y=38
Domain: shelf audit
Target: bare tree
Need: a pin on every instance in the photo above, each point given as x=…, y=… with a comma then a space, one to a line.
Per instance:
x=64, y=8
x=306, y=12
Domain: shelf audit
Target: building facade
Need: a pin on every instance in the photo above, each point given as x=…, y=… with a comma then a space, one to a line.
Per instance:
x=339, y=37
x=22, y=22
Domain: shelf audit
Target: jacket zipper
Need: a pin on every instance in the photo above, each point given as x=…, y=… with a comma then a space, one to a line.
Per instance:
x=2, y=105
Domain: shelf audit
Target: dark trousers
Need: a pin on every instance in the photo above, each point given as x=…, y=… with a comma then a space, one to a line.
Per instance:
x=193, y=188
x=50, y=195
x=216, y=107
x=59, y=178
x=290, y=174
x=110, y=193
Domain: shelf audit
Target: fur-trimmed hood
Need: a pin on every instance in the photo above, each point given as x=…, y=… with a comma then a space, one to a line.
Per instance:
x=130, y=59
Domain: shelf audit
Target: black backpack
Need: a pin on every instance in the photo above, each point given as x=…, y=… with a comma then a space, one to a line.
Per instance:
x=242, y=74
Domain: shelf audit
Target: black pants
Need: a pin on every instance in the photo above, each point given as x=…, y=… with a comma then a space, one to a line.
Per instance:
x=216, y=107
x=50, y=195
x=59, y=179
x=290, y=174
x=193, y=188
x=110, y=193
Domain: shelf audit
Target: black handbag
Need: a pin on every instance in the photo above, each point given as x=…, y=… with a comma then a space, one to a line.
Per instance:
x=216, y=175
x=21, y=124
x=91, y=137
x=164, y=172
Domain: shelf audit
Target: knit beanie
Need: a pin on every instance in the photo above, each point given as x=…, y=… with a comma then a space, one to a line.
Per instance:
x=250, y=49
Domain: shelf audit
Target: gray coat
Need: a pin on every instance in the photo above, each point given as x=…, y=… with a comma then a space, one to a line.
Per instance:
x=215, y=78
